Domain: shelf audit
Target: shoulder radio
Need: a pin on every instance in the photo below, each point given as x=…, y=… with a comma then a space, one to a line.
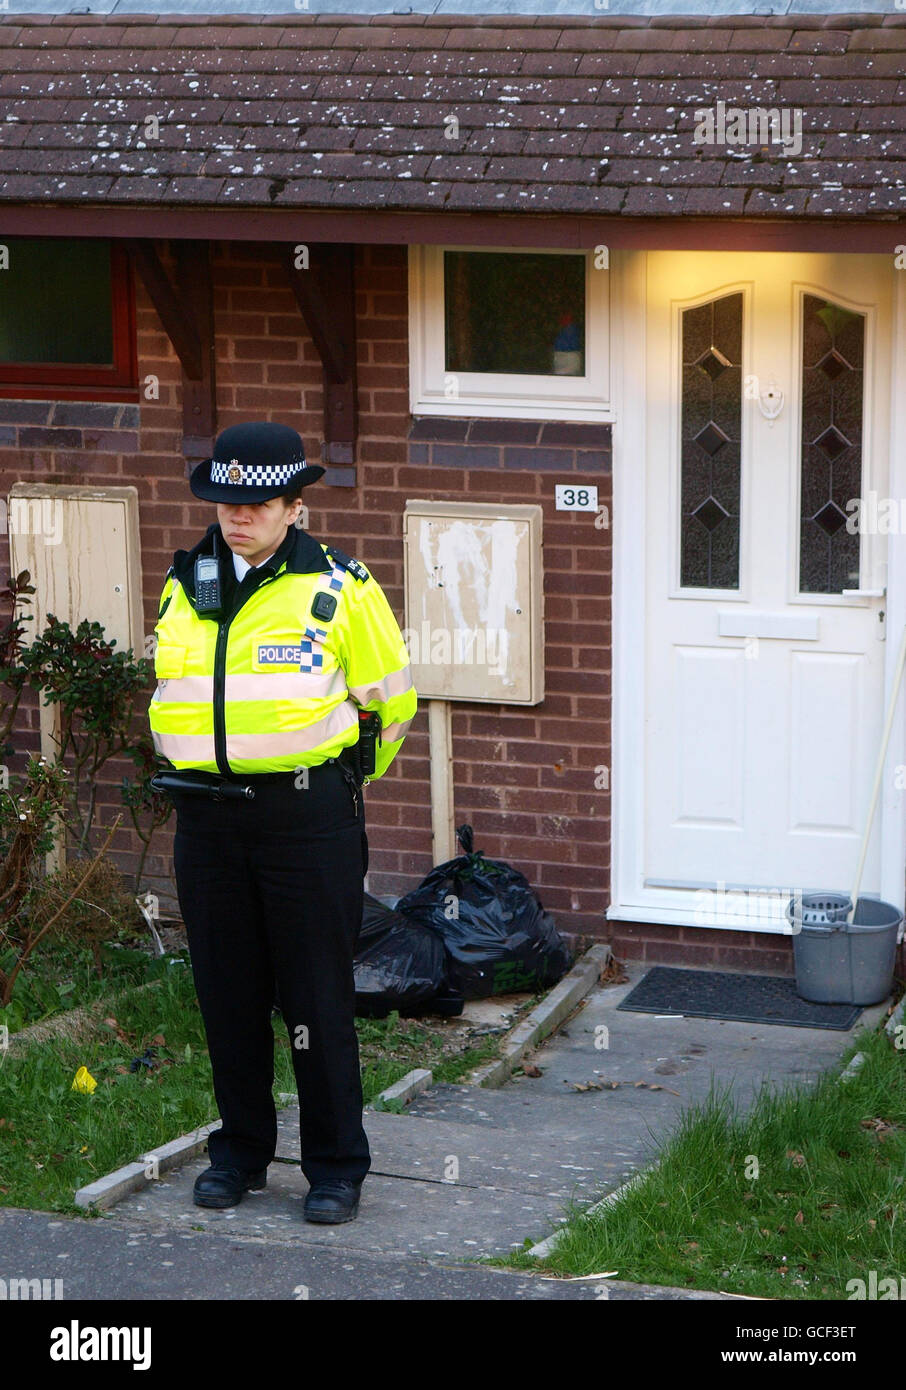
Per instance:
x=208, y=596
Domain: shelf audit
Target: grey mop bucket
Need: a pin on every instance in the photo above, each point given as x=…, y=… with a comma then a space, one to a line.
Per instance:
x=840, y=962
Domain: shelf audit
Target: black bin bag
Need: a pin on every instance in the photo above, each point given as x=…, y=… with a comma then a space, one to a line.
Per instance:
x=498, y=937
x=399, y=965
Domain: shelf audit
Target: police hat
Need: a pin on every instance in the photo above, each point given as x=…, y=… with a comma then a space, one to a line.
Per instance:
x=253, y=463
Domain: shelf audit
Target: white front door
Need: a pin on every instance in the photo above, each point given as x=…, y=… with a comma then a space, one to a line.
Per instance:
x=767, y=411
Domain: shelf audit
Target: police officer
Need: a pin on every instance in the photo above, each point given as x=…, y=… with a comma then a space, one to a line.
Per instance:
x=271, y=649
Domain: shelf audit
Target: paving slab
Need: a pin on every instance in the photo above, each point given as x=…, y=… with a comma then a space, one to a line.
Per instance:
x=507, y=1159
x=681, y=1054
x=617, y=1130
x=108, y=1258
x=398, y=1215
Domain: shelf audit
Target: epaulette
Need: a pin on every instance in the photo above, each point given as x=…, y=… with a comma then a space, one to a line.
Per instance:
x=166, y=602
x=355, y=567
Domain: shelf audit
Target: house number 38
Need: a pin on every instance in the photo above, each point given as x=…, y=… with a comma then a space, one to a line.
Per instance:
x=570, y=498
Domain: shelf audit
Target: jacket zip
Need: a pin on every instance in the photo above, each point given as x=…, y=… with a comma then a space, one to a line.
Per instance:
x=220, y=654
x=220, y=756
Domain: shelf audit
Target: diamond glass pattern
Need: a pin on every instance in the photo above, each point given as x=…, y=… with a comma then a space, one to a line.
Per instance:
x=830, y=518
x=711, y=431
x=833, y=349
x=832, y=442
x=710, y=513
x=714, y=363
x=711, y=438
x=832, y=364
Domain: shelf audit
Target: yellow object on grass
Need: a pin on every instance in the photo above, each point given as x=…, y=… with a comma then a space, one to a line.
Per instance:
x=84, y=1081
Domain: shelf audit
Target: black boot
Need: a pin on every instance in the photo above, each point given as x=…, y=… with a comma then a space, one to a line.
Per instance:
x=223, y=1186
x=332, y=1202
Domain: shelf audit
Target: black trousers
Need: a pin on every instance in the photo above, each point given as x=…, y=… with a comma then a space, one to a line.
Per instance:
x=271, y=891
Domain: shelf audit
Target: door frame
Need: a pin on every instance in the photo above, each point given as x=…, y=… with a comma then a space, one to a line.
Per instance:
x=629, y=900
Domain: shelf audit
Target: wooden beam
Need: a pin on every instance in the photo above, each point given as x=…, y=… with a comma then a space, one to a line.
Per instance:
x=440, y=748
x=199, y=402
x=313, y=305
x=341, y=425
x=187, y=314
x=378, y=227
x=171, y=310
x=325, y=294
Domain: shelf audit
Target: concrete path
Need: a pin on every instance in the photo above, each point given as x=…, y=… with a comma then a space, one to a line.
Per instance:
x=120, y=1260
x=464, y=1173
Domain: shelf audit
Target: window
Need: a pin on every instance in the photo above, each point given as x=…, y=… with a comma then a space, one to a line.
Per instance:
x=833, y=358
x=711, y=443
x=67, y=326
x=521, y=334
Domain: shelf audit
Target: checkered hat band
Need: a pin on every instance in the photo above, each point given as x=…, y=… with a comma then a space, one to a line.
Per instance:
x=255, y=475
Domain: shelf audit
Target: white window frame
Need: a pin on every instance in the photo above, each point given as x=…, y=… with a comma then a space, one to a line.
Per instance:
x=434, y=391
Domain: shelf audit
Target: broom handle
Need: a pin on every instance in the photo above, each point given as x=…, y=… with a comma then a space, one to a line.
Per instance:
x=879, y=772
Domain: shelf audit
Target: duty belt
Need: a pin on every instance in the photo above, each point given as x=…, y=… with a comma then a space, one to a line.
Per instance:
x=201, y=784
x=219, y=788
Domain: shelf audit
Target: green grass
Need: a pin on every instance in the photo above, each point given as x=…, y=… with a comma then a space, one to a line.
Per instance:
x=828, y=1204
x=54, y=1140
x=61, y=972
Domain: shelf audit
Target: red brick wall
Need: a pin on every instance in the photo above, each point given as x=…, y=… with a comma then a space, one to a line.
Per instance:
x=704, y=947
x=524, y=777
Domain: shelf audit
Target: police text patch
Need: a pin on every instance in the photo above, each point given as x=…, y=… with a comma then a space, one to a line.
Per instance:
x=288, y=656
x=278, y=655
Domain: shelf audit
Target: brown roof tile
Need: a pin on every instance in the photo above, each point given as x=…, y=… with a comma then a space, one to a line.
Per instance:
x=759, y=40
x=713, y=201
x=763, y=202
x=569, y=114
x=882, y=40
x=653, y=202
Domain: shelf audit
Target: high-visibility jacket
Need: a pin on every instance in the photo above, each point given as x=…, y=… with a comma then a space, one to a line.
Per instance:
x=270, y=687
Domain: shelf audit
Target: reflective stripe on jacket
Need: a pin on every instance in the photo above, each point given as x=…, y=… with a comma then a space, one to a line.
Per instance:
x=273, y=688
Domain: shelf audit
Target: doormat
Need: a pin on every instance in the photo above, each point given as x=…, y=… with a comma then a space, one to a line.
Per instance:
x=743, y=998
